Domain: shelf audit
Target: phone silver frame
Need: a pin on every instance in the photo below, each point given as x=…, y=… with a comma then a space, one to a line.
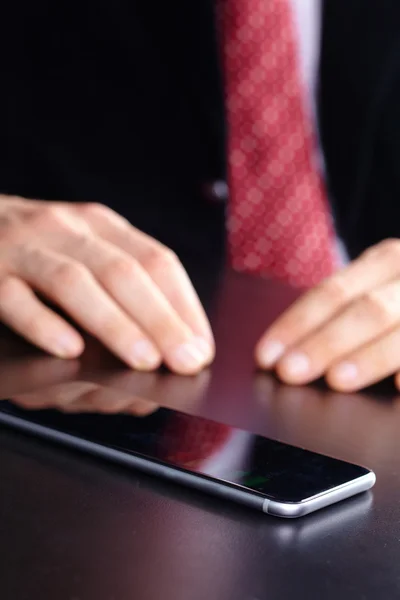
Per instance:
x=211, y=486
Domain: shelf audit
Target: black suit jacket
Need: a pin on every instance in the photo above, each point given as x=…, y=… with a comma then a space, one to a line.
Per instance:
x=121, y=102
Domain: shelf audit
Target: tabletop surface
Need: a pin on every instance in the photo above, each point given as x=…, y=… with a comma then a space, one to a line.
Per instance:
x=73, y=527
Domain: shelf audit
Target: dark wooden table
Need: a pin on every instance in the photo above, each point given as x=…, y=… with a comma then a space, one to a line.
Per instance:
x=76, y=528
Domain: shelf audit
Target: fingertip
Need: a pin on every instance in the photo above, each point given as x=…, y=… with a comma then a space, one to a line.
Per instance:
x=339, y=387
x=145, y=356
x=206, y=347
x=205, y=337
x=186, y=370
x=397, y=381
x=68, y=345
x=190, y=357
x=296, y=368
x=343, y=377
x=268, y=352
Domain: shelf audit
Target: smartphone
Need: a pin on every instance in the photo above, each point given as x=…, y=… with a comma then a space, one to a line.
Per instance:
x=272, y=477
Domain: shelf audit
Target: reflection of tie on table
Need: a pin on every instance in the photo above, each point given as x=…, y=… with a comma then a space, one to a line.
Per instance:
x=279, y=222
x=188, y=441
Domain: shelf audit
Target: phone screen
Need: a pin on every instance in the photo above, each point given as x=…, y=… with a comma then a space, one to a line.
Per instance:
x=236, y=457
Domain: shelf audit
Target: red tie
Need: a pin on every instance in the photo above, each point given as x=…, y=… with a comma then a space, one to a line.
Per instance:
x=279, y=223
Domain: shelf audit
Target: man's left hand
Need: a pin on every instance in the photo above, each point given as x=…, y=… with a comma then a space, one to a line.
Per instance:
x=347, y=328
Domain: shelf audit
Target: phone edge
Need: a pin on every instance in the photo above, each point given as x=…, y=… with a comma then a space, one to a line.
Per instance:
x=204, y=484
x=333, y=496
x=145, y=465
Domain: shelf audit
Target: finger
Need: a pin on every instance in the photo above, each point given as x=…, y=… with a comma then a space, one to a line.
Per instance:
x=375, y=267
x=168, y=274
x=72, y=287
x=397, y=380
x=134, y=290
x=162, y=265
x=22, y=311
x=367, y=318
x=367, y=365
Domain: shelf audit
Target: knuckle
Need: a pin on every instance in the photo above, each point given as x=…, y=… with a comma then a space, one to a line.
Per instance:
x=51, y=214
x=335, y=290
x=388, y=249
x=112, y=326
x=31, y=253
x=68, y=274
x=120, y=269
x=8, y=291
x=51, y=220
x=80, y=240
x=378, y=306
x=95, y=210
x=159, y=259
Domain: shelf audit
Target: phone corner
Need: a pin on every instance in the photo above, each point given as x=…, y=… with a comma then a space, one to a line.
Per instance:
x=284, y=510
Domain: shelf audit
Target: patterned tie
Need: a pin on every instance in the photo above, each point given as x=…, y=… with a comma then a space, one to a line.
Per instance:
x=279, y=223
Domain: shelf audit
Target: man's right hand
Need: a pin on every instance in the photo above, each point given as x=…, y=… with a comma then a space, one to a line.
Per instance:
x=117, y=283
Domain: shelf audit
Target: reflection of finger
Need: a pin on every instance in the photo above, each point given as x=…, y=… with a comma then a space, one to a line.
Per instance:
x=136, y=383
x=300, y=396
x=109, y=401
x=56, y=396
x=264, y=387
x=103, y=400
x=142, y=408
x=29, y=373
x=30, y=401
x=85, y=396
x=179, y=393
x=287, y=409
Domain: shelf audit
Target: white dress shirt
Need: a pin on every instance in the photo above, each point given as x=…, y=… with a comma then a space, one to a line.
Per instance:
x=308, y=18
x=308, y=15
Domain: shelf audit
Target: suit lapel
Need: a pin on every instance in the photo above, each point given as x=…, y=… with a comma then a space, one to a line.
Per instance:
x=360, y=45
x=357, y=37
x=196, y=63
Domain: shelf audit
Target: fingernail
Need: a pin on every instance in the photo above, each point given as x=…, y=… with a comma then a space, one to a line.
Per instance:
x=145, y=355
x=205, y=347
x=270, y=353
x=345, y=372
x=68, y=346
x=190, y=355
x=296, y=364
